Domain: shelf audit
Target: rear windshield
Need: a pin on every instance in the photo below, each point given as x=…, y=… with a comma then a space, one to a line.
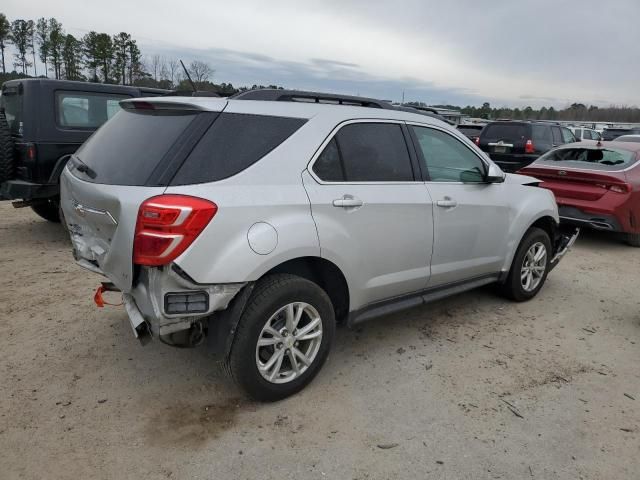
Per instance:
x=126, y=149
x=470, y=130
x=11, y=102
x=233, y=143
x=592, y=158
x=504, y=131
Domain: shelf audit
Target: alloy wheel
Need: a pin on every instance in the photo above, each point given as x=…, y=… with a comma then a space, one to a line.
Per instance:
x=289, y=342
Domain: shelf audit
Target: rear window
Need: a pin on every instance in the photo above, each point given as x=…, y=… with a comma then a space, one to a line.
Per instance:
x=470, y=131
x=592, y=158
x=86, y=109
x=11, y=102
x=504, y=131
x=127, y=149
x=233, y=143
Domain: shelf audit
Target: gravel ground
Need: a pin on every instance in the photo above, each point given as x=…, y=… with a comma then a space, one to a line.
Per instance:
x=471, y=387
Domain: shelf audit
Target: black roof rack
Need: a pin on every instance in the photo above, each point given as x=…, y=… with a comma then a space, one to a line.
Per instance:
x=278, y=95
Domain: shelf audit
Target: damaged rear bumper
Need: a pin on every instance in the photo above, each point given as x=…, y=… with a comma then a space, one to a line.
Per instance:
x=160, y=303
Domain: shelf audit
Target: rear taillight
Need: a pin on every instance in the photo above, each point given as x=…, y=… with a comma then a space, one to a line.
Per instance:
x=477, y=140
x=616, y=187
x=167, y=225
x=528, y=147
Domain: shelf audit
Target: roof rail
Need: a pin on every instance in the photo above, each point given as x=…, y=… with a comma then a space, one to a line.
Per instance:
x=277, y=95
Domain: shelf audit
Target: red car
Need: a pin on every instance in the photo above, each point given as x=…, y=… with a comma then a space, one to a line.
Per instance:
x=596, y=185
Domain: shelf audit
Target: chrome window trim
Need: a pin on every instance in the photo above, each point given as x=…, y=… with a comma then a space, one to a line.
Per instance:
x=330, y=137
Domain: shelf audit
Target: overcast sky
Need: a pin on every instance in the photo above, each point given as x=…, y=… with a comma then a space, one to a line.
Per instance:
x=507, y=52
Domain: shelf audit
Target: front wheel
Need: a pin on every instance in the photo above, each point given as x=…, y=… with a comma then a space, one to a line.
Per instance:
x=529, y=267
x=283, y=337
x=49, y=209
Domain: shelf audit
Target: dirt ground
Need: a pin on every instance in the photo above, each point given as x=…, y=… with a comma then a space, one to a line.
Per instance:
x=472, y=387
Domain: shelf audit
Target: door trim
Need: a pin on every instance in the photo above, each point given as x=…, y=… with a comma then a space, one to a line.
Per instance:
x=415, y=299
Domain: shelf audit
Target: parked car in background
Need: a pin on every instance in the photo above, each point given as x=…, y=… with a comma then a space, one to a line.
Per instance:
x=259, y=224
x=586, y=134
x=471, y=131
x=597, y=186
x=610, y=134
x=515, y=144
x=629, y=138
x=44, y=122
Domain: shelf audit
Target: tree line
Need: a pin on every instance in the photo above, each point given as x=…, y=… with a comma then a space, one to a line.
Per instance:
x=96, y=57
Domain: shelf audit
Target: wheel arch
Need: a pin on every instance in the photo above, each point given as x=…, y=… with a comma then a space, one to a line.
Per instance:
x=326, y=274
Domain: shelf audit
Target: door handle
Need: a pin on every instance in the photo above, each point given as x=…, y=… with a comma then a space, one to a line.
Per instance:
x=447, y=203
x=347, y=201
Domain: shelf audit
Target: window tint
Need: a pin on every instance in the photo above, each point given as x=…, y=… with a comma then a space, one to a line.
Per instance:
x=233, y=143
x=126, y=150
x=504, y=131
x=447, y=159
x=557, y=136
x=579, y=133
x=541, y=134
x=328, y=166
x=567, y=136
x=86, y=110
x=374, y=152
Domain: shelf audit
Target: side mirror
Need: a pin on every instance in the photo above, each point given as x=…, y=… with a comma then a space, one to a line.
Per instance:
x=494, y=175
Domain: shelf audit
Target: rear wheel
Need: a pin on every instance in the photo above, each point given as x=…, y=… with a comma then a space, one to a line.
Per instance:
x=633, y=239
x=283, y=337
x=529, y=267
x=48, y=209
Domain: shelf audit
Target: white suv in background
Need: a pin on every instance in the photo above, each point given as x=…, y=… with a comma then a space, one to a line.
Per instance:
x=586, y=135
x=257, y=223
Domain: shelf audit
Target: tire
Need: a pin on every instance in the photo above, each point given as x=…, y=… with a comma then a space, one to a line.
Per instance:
x=265, y=306
x=48, y=209
x=633, y=239
x=515, y=285
x=6, y=150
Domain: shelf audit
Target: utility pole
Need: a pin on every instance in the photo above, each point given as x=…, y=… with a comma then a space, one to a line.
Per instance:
x=402, y=97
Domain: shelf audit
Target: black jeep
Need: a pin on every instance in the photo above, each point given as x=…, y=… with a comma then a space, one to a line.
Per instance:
x=43, y=122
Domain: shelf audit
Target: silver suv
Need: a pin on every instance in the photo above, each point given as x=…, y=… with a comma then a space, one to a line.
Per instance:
x=255, y=226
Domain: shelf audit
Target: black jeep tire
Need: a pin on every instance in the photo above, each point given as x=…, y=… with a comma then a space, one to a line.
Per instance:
x=6, y=150
x=49, y=209
x=513, y=287
x=269, y=296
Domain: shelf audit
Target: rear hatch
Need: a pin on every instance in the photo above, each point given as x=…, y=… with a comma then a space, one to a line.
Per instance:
x=583, y=173
x=129, y=159
x=504, y=138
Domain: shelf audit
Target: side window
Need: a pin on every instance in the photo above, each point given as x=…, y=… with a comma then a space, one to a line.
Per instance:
x=579, y=133
x=86, y=109
x=233, y=143
x=366, y=152
x=567, y=136
x=447, y=159
x=541, y=135
x=328, y=166
x=557, y=136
